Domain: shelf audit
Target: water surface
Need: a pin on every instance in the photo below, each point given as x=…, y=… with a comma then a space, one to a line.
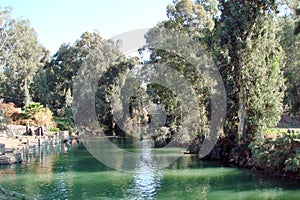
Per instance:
x=76, y=174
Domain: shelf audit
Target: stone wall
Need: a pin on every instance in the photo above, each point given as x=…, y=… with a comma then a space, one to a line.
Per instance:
x=13, y=130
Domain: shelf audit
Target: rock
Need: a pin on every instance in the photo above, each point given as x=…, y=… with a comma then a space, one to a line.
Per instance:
x=2, y=149
x=9, y=150
x=12, y=130
x=10, y=158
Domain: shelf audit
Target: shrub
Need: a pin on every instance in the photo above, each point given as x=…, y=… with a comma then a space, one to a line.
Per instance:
x=32, y=109
x=62, y=123
x=279, y=154
x=54, y=129
x=9, y=112
x=37, y=115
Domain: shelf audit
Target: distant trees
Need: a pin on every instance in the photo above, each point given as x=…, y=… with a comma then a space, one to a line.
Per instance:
x=28, y=73
x=53, y=85
x=21, y=56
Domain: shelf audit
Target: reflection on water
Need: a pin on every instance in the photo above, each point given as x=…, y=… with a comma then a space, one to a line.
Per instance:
x=77, y=175
x=147, y=175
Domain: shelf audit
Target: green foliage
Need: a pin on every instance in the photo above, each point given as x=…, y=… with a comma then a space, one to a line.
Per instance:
x=250, y=58
x=275, y=132
x=195, y=20
x=263, y=78
x=105, y=61
x=53, y=84
x=109, y=85
x=20, y=56
x=31, y=109
x=293, y=163
x=168, y=102
x=244, y=45
x=35, y=114
x=63, y=124
x=290, y=43
x=54, y=129
x=187, y=16
x=278, y=154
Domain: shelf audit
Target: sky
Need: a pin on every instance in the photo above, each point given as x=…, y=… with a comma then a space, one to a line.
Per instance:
x=63, y=21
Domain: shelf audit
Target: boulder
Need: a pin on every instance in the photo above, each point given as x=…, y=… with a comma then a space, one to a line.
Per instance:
x=10, y=158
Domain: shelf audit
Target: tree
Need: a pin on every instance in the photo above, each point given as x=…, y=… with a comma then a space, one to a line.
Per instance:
x=294, y=13
x=100, y=78
x=189, y=17
x=249, y=57
x=196, y=21
x=241, y=37
x=56, y=79
x=290, y=43
x=110, y=85
x=20, y=56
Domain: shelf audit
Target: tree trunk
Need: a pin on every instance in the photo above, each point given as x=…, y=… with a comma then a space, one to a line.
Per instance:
x=241, y=94
x=26, y=93
x=241, y=112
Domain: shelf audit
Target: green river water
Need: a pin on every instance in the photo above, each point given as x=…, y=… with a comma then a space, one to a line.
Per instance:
x=76, y=174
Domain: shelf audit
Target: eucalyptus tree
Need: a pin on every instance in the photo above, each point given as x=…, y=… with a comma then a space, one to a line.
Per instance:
x=109, y=86
x=241, y=37
x=197, y=22
x=53, y=85
x=20, y=57
x=95, y=57
x=250, y=59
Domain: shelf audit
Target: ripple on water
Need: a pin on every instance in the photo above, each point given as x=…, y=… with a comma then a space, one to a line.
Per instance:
x=147, y=175
x=79, y=176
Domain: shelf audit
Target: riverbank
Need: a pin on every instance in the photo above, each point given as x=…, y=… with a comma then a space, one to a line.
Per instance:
x=276, y=153
x=14, y=139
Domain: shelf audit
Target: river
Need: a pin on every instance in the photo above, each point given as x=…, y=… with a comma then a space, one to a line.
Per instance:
x=76, y=174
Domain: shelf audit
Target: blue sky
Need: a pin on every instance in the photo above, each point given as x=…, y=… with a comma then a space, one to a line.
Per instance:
x=63, y=21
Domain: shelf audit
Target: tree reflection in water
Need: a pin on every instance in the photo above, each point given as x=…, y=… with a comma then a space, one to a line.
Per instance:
x=147, y=175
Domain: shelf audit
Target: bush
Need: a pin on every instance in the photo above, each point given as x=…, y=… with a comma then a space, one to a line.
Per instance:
x=62, y=123
x=54, y=129
x=37, y=115
x=34, y=114
x=9, y=112
x=279, y=154
x=32, y=109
